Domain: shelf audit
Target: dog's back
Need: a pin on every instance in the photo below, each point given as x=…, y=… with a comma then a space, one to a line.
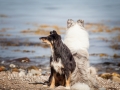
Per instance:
x=76, y=37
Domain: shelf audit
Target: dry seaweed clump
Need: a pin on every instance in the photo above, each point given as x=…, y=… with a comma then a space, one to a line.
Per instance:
x=100, y=54
x=44, y=30
x=117, y=38
x=38, y=31
x=103, y=55
x=2, y=68
x=114, y=76
x=115, y=46
x=116, y=28
x=116, y=56
x=106, y=75
x=98, y=28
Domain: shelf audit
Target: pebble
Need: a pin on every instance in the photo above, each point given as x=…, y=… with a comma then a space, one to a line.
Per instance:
x=117, y=68
x=12, y=65
x=22, y=60
x=2, y=62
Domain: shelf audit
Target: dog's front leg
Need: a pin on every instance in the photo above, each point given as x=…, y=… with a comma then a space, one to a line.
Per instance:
x=52, y=84
x=67, y=78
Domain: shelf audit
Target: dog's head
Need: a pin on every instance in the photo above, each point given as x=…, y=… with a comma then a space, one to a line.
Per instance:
x=52, y=38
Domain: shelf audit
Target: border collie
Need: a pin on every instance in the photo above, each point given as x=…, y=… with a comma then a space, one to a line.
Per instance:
x=62, y=62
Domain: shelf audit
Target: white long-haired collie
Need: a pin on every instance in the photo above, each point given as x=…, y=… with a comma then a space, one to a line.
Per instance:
x=76, y=37
x=77, y=40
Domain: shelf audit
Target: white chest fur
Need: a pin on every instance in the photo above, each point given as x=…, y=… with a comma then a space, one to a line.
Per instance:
x=57, y=65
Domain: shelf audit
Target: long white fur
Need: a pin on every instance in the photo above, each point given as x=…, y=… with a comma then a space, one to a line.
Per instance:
x=77, y=38
x=80, y=86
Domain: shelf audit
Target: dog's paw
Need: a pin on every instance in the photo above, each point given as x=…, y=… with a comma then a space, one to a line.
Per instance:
x=52, y=86
x=70, y=23
x=80, y=22
x=67, y=87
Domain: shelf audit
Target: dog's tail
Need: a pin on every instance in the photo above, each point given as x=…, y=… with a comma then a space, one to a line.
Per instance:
x=80, y=86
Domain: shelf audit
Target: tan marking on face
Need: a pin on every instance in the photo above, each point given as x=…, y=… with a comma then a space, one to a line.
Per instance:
x=46, y=41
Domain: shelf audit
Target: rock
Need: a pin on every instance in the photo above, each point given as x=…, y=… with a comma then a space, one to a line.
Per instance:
x=14, y=69
x=12, y=65
x=108, y=63
x=117, y=68
x=116, y=79
x=2, y=62
x=118, y=64
x=24, y=59
x=33, y=70
x=116, y=74
x=116, y=56
x=2, y=68
x=22, y=72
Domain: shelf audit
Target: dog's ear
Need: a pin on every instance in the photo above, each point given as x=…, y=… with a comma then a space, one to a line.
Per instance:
x=80, y=22
x=70, y=23
x=53, y=32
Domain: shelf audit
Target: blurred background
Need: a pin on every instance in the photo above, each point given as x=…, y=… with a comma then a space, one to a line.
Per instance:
x=22, y=22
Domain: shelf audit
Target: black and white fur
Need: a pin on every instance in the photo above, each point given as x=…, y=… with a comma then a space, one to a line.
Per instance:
x=62, y=62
